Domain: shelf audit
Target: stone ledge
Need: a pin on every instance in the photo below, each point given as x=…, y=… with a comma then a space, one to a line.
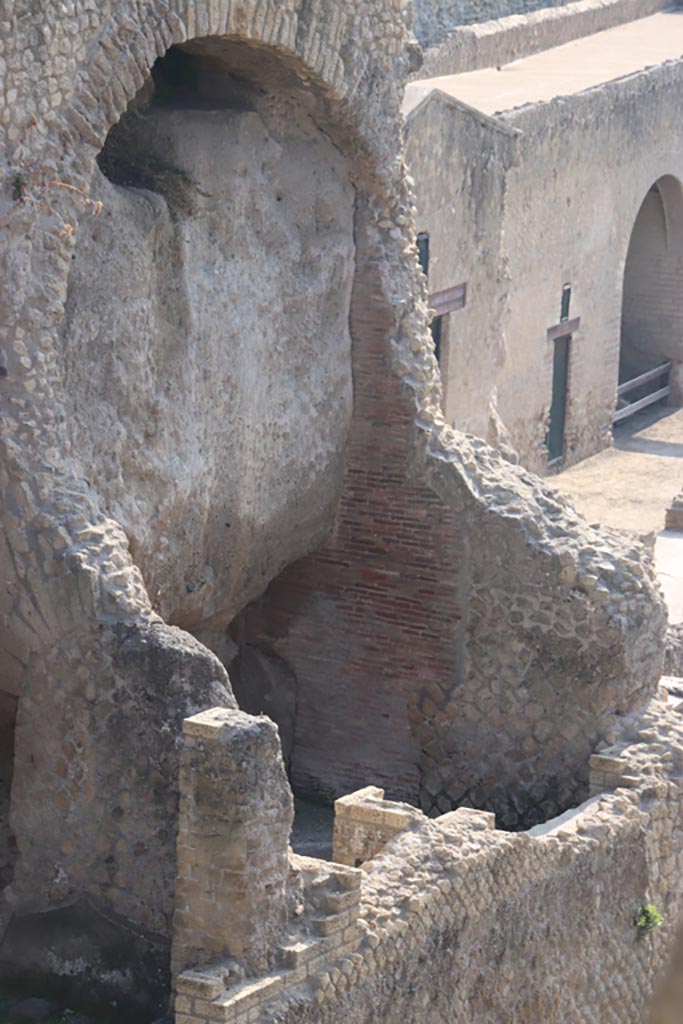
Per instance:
x=466, y=818
x=610, y=772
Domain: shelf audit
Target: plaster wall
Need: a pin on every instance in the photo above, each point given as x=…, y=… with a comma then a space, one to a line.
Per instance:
x=537, y=214
x=460, y=162
x=569, y=168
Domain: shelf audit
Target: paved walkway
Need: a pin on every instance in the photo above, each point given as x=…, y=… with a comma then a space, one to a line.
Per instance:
x=630, y=486
x=563, y=70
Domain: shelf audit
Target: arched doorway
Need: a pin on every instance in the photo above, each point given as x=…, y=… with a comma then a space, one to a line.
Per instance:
x=651, y=348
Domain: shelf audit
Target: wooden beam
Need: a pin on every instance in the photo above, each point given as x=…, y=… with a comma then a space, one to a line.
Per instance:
x=642, y=403
x=450, y=300
x=564, y=328
x=659, y=371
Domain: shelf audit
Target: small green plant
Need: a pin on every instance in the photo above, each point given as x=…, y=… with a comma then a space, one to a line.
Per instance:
x=18, y=188
x=30, y=190
x=646, y=920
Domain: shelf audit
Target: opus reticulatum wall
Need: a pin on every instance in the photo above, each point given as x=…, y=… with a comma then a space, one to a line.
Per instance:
x=453, y=920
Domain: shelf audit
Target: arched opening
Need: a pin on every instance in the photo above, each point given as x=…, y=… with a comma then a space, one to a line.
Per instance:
x=651, y=349
x=207, y=341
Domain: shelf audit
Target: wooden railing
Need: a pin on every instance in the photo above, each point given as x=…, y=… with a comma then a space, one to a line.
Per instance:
x=626, y=408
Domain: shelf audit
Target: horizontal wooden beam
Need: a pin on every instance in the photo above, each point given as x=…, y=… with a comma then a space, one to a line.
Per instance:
x=564, y=328
x=629, y=385
x=642, y=403
x=450, y=300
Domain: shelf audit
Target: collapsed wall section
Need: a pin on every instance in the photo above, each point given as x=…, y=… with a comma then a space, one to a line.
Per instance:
x=457, y=921
x=211, y=407
x=463, y=637
x=367, y=623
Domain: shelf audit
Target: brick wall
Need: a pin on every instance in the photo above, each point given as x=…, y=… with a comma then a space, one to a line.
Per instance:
x=233, y=832
x=370, y=623
x=445, y=644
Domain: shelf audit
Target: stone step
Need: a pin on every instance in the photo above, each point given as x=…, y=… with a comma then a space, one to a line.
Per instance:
x=247, y=994
x=297, y=952
x=334, y=923
x=335, y=902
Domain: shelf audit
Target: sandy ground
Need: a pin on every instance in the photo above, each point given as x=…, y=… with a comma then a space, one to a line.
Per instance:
x=630, y=486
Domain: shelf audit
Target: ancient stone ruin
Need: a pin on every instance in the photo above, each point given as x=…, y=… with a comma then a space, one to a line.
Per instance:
x=245, y=556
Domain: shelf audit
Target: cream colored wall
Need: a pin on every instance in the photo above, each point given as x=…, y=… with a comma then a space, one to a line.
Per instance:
x=560, y=211
x=459, y=160
x=571, y=205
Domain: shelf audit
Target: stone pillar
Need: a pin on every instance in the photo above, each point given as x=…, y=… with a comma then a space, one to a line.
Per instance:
x=235, y=819
x=364, y=822
x=674, y=513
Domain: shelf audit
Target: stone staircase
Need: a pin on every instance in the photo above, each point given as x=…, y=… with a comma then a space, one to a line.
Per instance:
x=323, y=942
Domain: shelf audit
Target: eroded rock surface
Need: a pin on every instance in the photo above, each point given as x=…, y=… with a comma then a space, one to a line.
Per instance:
x=206, y=344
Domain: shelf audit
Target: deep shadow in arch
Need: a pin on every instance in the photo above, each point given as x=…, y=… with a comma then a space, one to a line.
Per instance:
x=652, y=304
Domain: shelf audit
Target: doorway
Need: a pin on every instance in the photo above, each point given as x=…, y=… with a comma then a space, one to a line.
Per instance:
x=558, y=407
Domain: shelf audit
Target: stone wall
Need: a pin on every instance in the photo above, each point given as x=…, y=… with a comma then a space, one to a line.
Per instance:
x=232, y=853
x=452, y=593
x=434, y=19
x=364, y=822
x=102, y=683
x=564, y=165
x=494, y=43
x=460, y=922
x=460, y=160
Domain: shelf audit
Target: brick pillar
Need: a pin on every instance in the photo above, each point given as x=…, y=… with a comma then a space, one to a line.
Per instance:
x=364, y=822
x=233, y=834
